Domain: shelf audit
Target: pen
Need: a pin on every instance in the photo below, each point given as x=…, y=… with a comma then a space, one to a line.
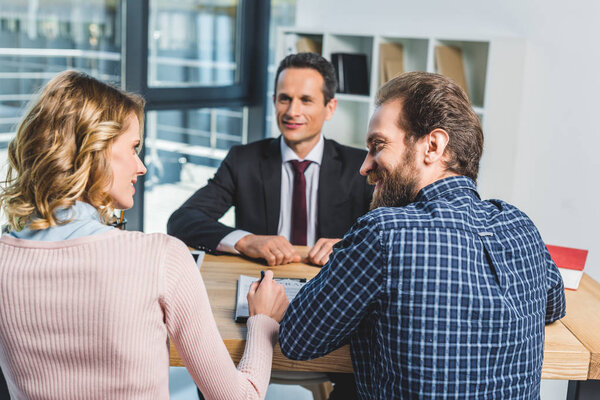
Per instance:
x=262, y=275
x=121, y=218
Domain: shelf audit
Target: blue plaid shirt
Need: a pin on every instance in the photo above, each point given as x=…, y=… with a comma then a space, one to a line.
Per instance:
x=444, y=298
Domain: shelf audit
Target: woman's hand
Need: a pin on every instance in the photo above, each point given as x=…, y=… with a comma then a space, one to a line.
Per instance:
x=267, y=297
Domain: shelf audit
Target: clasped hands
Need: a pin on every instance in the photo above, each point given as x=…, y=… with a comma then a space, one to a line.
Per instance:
x=277, y=250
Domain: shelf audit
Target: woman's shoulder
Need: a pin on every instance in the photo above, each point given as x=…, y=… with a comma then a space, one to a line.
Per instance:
x=155, y=237
x=129, y=238
x=159, y=252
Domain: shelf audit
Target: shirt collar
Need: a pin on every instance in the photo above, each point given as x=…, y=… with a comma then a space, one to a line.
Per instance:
x=315, y=155
x=79, y=211
x=444, y=186
x=85, y=220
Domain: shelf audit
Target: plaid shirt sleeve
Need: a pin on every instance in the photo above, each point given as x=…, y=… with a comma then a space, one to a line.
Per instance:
x=555, y=304
x=328, y=309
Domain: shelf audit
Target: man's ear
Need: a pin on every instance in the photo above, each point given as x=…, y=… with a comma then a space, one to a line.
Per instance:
x=436, y=142
x=331, y=106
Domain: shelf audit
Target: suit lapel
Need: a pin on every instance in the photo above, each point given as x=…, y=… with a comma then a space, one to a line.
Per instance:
x=331, y=191
x=270, y=170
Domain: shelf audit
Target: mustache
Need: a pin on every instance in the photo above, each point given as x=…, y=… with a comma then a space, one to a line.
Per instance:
x=376, y=175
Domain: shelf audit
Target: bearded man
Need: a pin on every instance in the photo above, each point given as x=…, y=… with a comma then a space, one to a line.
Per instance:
x=440, y=294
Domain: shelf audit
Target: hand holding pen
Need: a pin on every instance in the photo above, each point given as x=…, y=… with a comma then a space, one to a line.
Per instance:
x=267, y=297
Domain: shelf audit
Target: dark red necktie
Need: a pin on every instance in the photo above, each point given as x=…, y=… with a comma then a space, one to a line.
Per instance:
x=299, y=214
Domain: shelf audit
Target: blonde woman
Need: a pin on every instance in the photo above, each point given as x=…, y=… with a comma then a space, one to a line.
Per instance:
x=87, y=310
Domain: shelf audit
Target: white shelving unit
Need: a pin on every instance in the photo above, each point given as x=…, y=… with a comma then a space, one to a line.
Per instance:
x=349, y=124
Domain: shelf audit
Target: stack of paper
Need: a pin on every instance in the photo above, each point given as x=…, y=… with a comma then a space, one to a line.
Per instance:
x=570, y=263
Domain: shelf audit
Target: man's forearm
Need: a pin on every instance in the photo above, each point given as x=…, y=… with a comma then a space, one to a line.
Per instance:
x=196, y=229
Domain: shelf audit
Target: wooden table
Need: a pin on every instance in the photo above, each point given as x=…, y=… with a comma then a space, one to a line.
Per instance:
x=583, y=319
x=564, y=356
x=220, y=274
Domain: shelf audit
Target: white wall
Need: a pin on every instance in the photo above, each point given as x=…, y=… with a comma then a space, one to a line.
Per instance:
x=556, y=178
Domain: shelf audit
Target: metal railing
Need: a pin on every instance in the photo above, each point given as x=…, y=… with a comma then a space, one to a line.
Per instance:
x=91, y=58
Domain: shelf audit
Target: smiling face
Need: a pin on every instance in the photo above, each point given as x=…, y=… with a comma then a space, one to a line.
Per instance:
x=126, y=164
x=300, y=106
x=390, y=163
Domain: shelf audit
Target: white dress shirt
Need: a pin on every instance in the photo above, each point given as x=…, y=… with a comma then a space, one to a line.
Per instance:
x=311, y=174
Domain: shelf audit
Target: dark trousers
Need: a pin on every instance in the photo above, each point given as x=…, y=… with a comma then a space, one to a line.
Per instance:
x=344, y=387
x=3, y=387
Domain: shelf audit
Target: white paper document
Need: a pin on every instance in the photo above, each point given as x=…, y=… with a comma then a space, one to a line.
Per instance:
x=292, y=287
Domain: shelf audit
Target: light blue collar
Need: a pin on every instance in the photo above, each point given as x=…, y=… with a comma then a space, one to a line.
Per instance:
x=86, y=221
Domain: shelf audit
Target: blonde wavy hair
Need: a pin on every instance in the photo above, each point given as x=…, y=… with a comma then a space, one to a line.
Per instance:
x=61, y=152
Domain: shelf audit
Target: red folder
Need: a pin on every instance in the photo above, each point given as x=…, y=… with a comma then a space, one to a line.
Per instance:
x=570, y=263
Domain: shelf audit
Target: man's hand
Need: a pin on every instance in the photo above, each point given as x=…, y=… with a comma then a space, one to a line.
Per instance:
x=276, y=250
x=319, y=254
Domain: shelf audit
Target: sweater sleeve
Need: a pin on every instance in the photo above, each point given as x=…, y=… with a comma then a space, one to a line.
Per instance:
x=193, y=330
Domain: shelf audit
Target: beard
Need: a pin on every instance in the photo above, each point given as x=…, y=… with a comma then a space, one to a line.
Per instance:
x=398, y=187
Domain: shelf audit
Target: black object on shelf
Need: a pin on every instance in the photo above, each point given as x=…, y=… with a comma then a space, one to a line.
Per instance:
x=351, y=71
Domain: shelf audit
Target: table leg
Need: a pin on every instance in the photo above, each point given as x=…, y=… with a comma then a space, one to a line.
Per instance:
x=584, y=390
x=573, y=390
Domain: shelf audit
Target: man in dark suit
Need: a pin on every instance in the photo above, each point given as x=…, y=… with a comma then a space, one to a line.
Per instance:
x=298, y=188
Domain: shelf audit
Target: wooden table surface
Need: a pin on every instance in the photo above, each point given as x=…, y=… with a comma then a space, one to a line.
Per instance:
x=565, y=357
x=583, y=319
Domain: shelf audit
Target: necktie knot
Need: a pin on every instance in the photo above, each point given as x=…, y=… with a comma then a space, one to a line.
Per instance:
x=300, y=166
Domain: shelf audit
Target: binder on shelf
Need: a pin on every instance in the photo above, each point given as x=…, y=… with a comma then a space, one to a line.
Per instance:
x=351, y=72
x=307, y=45
x=450, y=63
x=570, y=263
x=391, y=61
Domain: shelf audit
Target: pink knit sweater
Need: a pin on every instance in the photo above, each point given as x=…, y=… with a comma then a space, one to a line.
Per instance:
x=88, y=318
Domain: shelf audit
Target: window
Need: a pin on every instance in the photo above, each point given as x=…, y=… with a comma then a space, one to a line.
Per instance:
x=185, y=147
x=204, y=50
x=283, y=13
x=200, y=64
x=205, y=87
x=183, y=150
x=38, y=39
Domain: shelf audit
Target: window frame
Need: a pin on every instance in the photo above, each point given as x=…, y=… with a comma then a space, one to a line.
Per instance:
x=249, y=91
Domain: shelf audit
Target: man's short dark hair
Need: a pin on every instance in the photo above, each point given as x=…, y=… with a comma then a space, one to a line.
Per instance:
x=312, y=61
x=432, y=101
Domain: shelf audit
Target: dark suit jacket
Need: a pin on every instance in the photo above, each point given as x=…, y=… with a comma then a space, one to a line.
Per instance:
x=249, y=179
